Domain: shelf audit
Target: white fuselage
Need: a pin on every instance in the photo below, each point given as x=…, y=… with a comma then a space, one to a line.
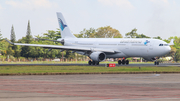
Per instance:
x=123, y=47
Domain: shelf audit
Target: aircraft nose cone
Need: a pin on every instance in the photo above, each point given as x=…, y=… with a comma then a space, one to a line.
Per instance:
x=168, y=49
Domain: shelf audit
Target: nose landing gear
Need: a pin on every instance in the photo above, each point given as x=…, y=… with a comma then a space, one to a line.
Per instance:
x=156, y=63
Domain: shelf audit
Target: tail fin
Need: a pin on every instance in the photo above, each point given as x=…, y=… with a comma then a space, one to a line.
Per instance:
x=65, y=31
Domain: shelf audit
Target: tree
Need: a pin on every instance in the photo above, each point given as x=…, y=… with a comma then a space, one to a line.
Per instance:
x=177, y=42
x=0, y=35
x=142, y=36
x=87, y=33
x=51, y=34
x=28, y=39
x=132, y=34
x=158, y=37
x=9, y=50
x=107, y=32
x=172, y=52
x=177, y=55
x=69, y=55
x=79, y=35
x=13, y=38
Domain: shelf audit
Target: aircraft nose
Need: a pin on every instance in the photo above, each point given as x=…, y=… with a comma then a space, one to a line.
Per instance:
x=168, y=49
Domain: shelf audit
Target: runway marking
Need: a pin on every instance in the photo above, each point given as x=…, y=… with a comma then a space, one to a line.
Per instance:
x=102, y=91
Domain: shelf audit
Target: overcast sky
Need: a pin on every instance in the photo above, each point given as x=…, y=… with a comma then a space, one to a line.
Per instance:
x=151, y=17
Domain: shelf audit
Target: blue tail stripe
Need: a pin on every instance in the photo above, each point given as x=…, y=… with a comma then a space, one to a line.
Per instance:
x=61, y=24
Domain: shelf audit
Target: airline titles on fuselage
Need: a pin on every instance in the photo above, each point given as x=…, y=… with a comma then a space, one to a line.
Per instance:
x=131, y=41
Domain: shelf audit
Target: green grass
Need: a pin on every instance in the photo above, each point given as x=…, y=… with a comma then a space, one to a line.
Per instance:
x=71, y=62
x=82, y=69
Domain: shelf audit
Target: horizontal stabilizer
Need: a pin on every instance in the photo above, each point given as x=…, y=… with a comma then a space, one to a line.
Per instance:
x=171, y=42
x=9, y=42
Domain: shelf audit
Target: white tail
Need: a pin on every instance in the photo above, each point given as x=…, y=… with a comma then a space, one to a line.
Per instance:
x=65, y=31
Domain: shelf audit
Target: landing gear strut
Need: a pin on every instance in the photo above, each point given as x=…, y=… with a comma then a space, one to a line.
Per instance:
x=123, y=62
x=93, y=62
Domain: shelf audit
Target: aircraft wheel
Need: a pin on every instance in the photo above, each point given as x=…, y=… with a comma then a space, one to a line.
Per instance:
x=90, y=62
x=97, y=63
x=123, y=62
x=157, y=62
x=119, y=62
x=127, y=62
x=94, y=63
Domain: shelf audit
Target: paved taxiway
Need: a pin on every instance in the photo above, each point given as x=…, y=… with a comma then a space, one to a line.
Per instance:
x=106, y=87
x=73, y=64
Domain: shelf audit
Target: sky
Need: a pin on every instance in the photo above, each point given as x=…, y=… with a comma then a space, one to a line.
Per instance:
x=150, y=17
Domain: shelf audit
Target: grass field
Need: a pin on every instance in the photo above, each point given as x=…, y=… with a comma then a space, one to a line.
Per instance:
x=42, y=70
x=69, y=62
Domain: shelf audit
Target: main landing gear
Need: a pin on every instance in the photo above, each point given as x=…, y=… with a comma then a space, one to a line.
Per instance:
x=123, y=62
x=93, y=62
x=156, y=63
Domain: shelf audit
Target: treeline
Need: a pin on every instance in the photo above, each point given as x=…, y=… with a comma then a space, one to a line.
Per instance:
x=9, y=51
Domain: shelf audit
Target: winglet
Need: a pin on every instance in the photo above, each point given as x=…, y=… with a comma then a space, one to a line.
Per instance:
x=171, y=42
x=9, y=42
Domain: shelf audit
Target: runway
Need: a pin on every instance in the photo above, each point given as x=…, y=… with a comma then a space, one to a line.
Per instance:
x=76, y=64
x=106, y=87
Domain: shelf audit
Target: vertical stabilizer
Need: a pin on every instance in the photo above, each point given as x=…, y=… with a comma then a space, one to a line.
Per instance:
x=65, y=31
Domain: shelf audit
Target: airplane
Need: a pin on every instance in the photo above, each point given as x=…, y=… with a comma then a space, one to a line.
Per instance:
x=98, y=49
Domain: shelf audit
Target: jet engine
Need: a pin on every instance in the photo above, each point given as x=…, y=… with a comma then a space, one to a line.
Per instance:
x=98, y=56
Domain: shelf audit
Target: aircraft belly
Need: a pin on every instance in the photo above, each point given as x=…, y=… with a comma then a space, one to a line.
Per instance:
x=132, y=52
x=116, y=55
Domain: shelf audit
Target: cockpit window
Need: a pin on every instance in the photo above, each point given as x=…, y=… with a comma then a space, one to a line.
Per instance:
x=160, y=44
x=163, y=45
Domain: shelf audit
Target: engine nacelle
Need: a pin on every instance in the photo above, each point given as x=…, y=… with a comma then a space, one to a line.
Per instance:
x=98, y=56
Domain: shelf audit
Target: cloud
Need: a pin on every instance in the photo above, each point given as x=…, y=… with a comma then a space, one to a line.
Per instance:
x=29, y=4
x=1, y=7
x=155, y=1
x=161, y=2
x=119, y=3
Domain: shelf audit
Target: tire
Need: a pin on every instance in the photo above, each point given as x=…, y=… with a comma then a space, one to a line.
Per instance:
x=94, y=63
x=123, y=62
x=90, y=62
x=155, y=63
x=127, y=62
x=119, y=62
x=97, y=63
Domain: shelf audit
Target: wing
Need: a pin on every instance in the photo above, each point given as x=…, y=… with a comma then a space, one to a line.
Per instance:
x=73, y=48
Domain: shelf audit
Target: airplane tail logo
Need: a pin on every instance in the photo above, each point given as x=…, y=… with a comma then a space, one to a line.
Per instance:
x=61, y=24
x=145, y=43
